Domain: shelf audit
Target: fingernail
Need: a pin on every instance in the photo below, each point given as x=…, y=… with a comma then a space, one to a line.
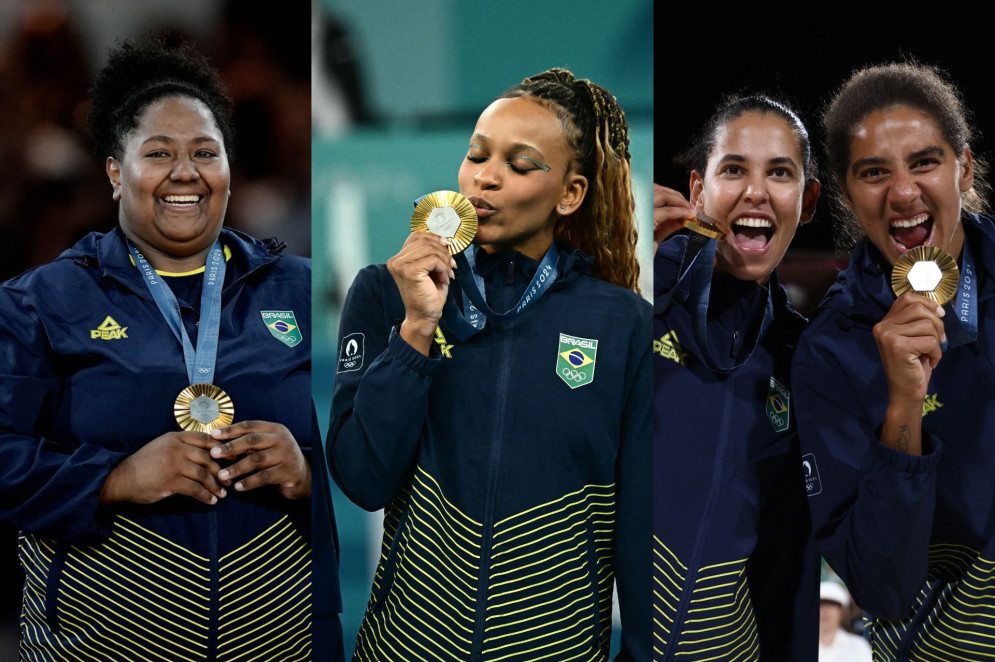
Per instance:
x=223, y=474
x=216, y=432
x=224, y=493
x=239, y=486
x=216, y=451
x=214, y=500
x=941, y=312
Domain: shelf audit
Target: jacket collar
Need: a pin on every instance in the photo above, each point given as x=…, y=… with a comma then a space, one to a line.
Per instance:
x=572, y=263
x=109, y=253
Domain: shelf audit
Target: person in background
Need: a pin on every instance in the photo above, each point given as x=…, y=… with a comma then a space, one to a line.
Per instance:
x=835, y=643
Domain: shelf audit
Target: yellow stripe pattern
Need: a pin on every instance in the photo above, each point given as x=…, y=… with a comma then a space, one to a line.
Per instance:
x=718, y=624
x=140, y=596
x=959, y=626
x=548, y=581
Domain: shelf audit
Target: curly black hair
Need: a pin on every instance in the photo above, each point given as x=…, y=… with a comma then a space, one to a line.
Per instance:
x=140, y=73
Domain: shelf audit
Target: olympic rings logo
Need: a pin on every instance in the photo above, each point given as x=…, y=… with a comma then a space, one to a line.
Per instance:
x=573, y=375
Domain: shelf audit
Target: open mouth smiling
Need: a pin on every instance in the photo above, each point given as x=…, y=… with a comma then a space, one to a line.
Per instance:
x=908, y=233
x=752, y=233
x=182, y=200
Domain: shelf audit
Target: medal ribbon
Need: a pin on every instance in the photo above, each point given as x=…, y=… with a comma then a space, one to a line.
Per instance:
x=966, y=308
x=200, y=362
x=466, y=323
x=698, y=263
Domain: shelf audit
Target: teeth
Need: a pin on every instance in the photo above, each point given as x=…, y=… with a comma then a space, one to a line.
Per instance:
x=753, y=222
x=912, y=222
x=179, y=199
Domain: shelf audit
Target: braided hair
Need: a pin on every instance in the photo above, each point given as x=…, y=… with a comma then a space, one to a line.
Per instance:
x=139, y=74
x=598, y=136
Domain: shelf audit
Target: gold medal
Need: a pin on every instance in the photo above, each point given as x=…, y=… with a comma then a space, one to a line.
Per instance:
x=706, y=225
x=447, y=214
x=203, y=407
x=928, y=271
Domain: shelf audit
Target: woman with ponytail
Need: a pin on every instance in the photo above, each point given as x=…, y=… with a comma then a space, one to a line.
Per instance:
x=511, y=455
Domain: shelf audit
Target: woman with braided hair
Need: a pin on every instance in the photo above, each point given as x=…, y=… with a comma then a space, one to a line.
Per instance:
x=514, y=476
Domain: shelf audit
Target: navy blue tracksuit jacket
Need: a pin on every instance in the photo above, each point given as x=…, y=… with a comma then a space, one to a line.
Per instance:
x=512, y=467
x=735, y=574
x=89, y=371
x=913, y=537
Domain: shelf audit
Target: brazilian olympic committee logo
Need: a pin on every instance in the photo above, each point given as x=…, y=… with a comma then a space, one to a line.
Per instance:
x=575, y=360
x=778, y=406
x=282, y=325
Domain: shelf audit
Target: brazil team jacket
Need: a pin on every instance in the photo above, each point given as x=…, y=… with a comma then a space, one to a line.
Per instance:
x=89, y=371
x=512, y=467
x=735, y=574
x=913, y=537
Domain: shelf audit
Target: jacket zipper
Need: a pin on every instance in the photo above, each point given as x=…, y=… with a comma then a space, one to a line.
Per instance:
x=493, y=470
x=212, y=641
x=703, y=528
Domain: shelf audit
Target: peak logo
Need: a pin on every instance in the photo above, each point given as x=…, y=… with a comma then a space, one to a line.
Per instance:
x=109, y=330
x=669, y=348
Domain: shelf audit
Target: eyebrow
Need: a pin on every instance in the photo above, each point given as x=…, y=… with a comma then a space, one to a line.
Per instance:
x=516, y=147
x=932, y=150
x=167, y=139
x=777, y=160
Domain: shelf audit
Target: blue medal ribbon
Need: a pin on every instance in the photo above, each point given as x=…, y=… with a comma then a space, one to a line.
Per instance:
x=200, y=362
x=473, y=318
x=965, y=330
x=698, y=264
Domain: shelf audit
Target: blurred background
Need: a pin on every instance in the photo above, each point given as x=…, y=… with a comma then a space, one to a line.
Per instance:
x=53, y=188
x=396, y=92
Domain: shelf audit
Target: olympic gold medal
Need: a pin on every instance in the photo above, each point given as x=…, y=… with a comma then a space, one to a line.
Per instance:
x=203, y=407
x=927, y=271
x=706, y=225
x=447, y=214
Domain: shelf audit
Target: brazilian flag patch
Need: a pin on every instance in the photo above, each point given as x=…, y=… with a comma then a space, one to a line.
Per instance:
x=575, y=360
x=283, y=326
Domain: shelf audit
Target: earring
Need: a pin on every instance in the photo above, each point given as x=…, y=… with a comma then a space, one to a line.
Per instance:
x=562, y=208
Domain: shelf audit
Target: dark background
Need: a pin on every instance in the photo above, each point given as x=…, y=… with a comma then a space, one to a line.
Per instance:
x=803, y=59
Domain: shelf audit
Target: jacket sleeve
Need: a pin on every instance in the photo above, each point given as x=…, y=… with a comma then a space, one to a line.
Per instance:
x=380, y=402
x=872, y=507
x=634, y=504
x=49, y=487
